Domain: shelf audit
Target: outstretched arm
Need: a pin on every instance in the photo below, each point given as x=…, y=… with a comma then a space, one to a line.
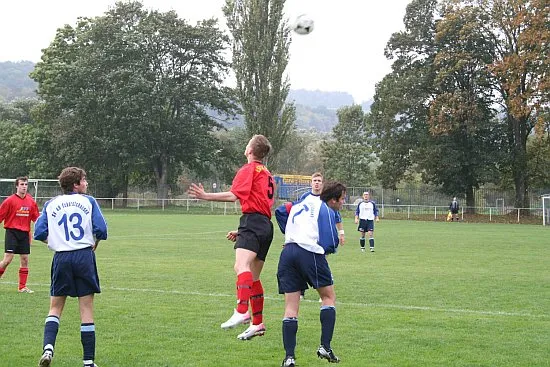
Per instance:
x=197, y=192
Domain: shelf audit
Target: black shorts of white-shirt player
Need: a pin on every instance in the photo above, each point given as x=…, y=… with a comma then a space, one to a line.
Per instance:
x=365, y=225
x=255, y=233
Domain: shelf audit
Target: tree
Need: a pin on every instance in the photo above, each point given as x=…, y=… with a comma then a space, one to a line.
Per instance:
x=347, y=155
x=521, y=69
x=25, y=148
x=260, y=55
x=538, y=153
x=128, y=92
x=465, y=139
x=400, y=110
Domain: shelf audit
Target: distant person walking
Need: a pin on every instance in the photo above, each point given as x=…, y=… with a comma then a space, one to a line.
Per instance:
x=17, y=212
x=454, y=207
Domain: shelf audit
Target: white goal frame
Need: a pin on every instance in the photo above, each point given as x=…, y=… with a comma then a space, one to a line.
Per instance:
x=32, y=181
x=545, y=209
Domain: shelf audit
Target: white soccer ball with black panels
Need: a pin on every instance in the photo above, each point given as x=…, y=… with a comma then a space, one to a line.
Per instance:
x=303, y=24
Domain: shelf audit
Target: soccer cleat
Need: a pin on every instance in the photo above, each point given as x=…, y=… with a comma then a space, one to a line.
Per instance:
x=46, y=359
x=25, y=290
x=289, y=361
x=327, y=354
x=236, y=319
x=252, y=331
x=372, y=249
x=362, y=249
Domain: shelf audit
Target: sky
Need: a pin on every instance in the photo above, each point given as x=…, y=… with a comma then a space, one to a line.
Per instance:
x=344, y=53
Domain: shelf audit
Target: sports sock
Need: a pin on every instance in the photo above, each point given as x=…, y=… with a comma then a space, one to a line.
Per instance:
x=362, y=242
x=87, y=337
x=23, y=275
x=50, y=332
x=328, y=319
x=290, y=329
x=244, y=289
x=2, y=270
x=257, y=302
x=371, y=242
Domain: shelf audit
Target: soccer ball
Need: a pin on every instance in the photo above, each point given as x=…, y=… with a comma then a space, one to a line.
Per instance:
x=303, y=24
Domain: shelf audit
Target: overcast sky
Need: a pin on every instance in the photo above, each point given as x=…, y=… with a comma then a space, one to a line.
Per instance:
x=344, y=53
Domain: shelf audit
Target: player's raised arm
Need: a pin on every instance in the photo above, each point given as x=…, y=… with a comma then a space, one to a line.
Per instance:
x=197, y=192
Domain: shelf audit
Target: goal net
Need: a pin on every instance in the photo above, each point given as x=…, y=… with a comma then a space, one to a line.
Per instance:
x=546, y=210
x=41, y=189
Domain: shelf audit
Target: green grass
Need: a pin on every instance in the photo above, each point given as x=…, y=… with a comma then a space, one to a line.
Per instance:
x=433, y=294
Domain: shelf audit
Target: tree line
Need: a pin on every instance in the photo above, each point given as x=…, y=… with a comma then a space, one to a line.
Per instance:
x=130, y=95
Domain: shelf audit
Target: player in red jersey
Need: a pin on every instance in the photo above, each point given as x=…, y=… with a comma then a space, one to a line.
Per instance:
x=254, y=187
x=17, y=212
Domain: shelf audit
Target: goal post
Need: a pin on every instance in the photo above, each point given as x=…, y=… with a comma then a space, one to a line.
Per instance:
x=44, y=188
x=545, y=210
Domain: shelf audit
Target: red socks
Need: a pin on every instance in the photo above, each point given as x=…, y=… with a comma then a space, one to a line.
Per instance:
x=2, y=270
x=257, y=302
x=244, y=288
x=23, y=275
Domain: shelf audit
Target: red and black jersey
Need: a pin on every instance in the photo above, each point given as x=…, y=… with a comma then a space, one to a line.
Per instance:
x=18, y=212
x=254, y=186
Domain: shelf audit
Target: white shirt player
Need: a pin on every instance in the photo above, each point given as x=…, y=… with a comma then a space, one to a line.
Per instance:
x=366, y=210
x=311, y=225
x=71, y=222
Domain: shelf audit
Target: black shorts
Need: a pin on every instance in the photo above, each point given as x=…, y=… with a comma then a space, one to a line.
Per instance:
x=17, y=242
x=454, y=211
x=255, y=234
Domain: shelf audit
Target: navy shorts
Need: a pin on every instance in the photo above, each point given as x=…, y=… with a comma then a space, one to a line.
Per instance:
x=17, y=242
x=299, y=268
x=74, y=273
x=255, y=233
x=365, y=225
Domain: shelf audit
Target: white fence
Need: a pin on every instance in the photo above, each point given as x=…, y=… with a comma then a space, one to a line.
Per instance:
x=498, y=214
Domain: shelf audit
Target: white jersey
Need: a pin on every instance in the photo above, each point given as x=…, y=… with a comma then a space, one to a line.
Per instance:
x=366, y=210
x=71, y=222
x=311, y=224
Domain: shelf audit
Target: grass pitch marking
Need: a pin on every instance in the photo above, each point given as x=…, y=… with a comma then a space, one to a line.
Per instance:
x=353, y=304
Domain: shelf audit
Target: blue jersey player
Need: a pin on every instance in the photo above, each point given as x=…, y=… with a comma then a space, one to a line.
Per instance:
x=72, y=225
x=310, y=235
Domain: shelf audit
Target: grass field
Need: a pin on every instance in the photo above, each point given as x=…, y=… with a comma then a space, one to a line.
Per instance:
x=433, y=294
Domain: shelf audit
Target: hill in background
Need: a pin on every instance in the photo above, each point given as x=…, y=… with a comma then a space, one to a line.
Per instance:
x=315, y=110
x=15, y=82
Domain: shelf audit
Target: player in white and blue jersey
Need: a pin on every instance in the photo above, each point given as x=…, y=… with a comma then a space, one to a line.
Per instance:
x=72, y=225
x=310, y=235
x=365, y=215
x=316, y=188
